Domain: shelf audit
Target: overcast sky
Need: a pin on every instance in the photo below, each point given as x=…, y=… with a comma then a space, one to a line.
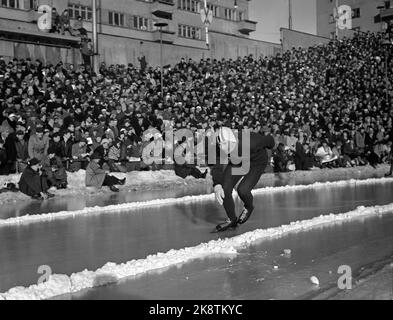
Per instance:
x=273, y=14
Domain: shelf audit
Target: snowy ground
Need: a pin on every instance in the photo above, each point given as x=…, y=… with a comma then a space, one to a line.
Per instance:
x=160, y=180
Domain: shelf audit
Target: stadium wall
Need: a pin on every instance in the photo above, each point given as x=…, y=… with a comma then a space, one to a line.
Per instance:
x=121, y=50
x=295, y=39
x=46, y=53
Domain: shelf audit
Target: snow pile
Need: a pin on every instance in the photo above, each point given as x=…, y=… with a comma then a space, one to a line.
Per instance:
x=111, y=272
x=129, y=207
x=76, y=183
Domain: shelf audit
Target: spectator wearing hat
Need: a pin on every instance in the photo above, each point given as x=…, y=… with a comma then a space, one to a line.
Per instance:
x=97, y=177
x=33, y=183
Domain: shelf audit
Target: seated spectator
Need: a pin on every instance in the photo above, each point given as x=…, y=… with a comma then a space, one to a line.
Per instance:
x=10, y=150
x=79, y=155
x=350, y=153
x=97, y=177
x=3, y=159
x=188, y=168
x=114, y=157
x=33, y=183
x=22, y=151
x=78, y=25
x=304, y=160
x=55, y=170
x=65, y=24
x=55, y=21
x=38, y=145
x=325, y=155
x=281, y=159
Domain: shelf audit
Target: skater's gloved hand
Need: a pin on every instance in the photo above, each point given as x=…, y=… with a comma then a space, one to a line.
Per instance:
x=220, y=194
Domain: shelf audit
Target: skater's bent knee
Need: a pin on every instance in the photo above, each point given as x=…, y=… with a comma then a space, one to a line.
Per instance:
x=243, y=192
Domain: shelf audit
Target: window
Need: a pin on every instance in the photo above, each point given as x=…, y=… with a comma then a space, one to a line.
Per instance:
x=189, y=32
x=189, y=5
x=241, y=16
x=76, y=10
x=140, y=23
x=355, y=13
x=10, y=4
x=229, y=14
x=116, y=19
x=333, y=35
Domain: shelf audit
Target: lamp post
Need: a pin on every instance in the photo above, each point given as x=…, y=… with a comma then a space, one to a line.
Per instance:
x=161, y=25
x=95, y=37
x=386, y=43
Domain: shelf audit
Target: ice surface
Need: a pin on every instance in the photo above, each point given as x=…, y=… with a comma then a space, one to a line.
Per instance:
x=111, y=272
x=129, y=207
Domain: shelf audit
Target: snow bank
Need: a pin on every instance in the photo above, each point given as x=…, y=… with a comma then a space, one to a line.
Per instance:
x=159, y=180
x=76, y=183
x=129, y=207
x=111, y=272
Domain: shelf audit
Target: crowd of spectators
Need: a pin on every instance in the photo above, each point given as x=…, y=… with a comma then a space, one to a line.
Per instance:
x=326, y=106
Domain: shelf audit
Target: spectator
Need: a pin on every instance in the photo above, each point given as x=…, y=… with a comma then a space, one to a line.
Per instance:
x=3, y=159
x=55, y=170
x=55, y=21
x=22, y=151
x=86, y=50
x=33, y=183
x=65, y=24
x=97, y=177
x=325, y=154
x=79, y=155
x=78, y=25
x=38, y=145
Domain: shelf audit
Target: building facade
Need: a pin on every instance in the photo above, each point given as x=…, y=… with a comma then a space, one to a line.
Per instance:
x=367, y=15
x=127, y=31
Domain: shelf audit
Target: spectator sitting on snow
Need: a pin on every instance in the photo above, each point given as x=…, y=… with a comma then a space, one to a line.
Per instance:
x=54, y=170
x=324, y=154
x=33, y=183
x=79, y=155
x=188, y=168
x=97, y=177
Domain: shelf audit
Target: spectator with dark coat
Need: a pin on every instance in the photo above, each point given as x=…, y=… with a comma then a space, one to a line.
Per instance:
x=22, y=151
x=33, y=183
x=3, y=158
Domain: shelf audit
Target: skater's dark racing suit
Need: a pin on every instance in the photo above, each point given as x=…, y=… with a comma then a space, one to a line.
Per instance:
x=224, y=181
